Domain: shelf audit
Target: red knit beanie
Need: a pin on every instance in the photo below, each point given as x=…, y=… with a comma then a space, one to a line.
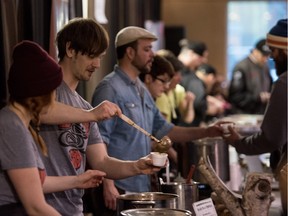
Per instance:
x=33, y=72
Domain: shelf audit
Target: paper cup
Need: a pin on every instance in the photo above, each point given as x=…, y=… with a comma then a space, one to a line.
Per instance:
x=159, y=159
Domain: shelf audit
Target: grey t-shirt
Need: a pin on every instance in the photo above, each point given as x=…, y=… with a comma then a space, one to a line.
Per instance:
x=18, y=150
x=67, y=144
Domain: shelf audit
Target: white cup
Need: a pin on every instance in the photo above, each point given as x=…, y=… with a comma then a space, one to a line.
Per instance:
x=159, y=159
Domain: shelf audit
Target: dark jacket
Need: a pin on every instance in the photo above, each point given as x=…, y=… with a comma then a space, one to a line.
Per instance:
x=192, y=83
x=248, y=80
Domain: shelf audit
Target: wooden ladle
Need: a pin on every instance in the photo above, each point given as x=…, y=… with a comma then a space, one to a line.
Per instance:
x=163, y=145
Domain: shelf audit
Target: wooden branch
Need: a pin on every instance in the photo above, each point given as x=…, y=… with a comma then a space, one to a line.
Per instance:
x=230, y=199
x=257, y=194
x=256, y=198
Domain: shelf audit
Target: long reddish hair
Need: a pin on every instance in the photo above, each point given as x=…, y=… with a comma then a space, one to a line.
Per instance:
x=34, y=105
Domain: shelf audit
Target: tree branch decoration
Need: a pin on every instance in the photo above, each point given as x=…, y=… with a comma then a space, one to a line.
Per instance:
x=255, y=200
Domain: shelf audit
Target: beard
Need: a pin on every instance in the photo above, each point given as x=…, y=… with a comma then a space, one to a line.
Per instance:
x=281, y=63
x=143, y=68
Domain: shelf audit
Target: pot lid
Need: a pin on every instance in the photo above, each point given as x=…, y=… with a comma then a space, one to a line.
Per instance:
x=148, y=196
x=156, y=212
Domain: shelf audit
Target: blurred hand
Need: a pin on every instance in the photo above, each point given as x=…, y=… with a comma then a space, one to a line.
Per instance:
x=265, y=96
x=89, y=179
x=145, y=166
x=215, y=106
x=105, y=110
x=190, y=96
x=110, y=194
x=214, y=130
x=232, y=137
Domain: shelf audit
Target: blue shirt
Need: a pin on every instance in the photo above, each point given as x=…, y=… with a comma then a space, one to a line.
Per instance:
x=124, y=141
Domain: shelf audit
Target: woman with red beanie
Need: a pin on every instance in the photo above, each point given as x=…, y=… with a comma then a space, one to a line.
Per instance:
x=32, y=81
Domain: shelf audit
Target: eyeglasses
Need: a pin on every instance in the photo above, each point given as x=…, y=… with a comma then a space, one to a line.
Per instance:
x=164, y=82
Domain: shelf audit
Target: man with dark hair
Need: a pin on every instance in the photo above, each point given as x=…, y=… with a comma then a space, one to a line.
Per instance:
x=273, y=135
x=249, y=89
x=192, y=55
x=82, y=43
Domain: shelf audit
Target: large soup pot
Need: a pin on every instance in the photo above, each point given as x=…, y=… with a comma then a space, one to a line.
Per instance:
x=218, y=152
x=156, y=212
x=146, y=200
x=188, y=193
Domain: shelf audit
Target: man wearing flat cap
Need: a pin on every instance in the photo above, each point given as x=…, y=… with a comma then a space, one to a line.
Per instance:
x=251, y=82
x=124, y=88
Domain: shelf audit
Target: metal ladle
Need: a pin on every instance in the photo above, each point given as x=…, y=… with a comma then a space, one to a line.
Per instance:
x=163, y=145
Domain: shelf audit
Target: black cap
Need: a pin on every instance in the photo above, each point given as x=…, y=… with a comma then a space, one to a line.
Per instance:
x=197, y=46
x=262, y=47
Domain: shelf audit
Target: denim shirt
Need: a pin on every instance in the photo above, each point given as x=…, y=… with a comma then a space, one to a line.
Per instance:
x=124, y=141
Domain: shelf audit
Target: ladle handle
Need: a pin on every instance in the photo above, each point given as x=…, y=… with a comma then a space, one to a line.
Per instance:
x=133, y=124
x=190, y=174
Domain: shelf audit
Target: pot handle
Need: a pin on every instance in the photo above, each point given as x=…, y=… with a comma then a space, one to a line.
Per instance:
x=142, y=203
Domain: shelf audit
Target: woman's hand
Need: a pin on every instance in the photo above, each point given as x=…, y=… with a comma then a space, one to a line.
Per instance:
x=89, y=179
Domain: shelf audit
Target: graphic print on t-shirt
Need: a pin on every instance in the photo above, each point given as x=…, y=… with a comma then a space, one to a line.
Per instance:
x=73, y=137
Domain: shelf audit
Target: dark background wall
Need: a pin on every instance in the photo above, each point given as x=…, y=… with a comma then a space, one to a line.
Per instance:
x=203, y=20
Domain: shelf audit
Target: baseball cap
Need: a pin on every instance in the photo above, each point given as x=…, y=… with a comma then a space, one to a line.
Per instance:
x=132, y=33
x=262, y=47
x=196, y=46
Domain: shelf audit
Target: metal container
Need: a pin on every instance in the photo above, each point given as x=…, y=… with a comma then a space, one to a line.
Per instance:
x=188, y=193
x=156, y=212
x=218, y=153
x=146, y=200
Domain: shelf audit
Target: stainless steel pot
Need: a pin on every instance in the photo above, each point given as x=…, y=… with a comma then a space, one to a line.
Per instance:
x=156, y=212
x=217, y=151
x=188, y=193
x=146, y=200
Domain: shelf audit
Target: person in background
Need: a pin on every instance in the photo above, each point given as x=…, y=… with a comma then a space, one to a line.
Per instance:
x=192, y=55
x=123, y=87
x=273, y=135
x=158, y=79
x=215, y=107
x=250, y=86
x=200, y=83
x=176, y=104
x=32, y=81
x=81, y=44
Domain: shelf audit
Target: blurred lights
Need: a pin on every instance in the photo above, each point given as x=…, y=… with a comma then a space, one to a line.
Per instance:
x=234, y=16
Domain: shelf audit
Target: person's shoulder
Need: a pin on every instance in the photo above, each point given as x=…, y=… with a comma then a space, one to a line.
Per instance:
x=242, y=63
x=282, y=78
x=162, y=99
x=179, y=88
x=110, y=76
x=110, y=80
x=10, y=120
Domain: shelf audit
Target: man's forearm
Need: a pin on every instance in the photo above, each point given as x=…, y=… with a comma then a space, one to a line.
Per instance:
x=119, y=169
x=61, y=113
x=186, y=134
